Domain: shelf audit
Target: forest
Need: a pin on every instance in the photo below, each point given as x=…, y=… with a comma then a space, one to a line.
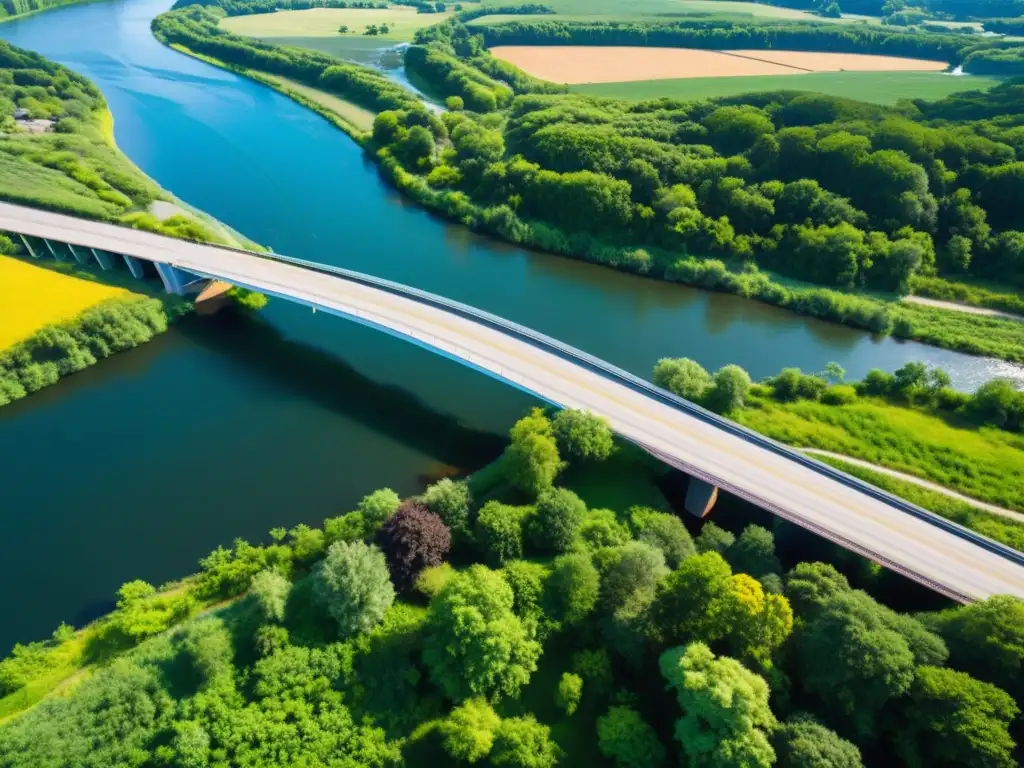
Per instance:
x=507, y=621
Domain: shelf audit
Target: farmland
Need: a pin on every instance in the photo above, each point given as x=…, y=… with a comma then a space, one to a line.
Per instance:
x=660, y=10
x=402, y=22
x=874, y=87
x=21, y=311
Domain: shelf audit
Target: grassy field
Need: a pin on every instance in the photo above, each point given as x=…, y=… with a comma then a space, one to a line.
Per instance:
x=874, y=87
x=352, y=113
x=660, y=10
x=32, y=297
x=324, y=22
x=985, y=464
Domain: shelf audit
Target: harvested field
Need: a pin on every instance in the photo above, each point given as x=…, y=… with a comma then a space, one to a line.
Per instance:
x=608, y=64
x=402, y=22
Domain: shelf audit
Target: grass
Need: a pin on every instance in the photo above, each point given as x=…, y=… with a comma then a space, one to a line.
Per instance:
x=324, y=22
x=974, y=334
x=985, y=464
x=361, y=119
x=657, y=10
x=32, y=297
x=1001, y=529
x=874, y=87
x=973, y=294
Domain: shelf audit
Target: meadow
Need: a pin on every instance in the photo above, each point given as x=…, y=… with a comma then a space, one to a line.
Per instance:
x=358, y=117
x=22, y=285
x=872, y=87
x=402, y=23
x=660, y=10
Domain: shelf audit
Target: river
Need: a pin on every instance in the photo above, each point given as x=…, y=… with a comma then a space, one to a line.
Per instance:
x=225, y=427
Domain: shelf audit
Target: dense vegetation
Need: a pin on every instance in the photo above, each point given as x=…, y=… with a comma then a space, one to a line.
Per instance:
x=497, y=625
x=10, y=8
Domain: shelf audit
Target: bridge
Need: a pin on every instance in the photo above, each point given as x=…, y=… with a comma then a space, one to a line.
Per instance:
x=890, y=531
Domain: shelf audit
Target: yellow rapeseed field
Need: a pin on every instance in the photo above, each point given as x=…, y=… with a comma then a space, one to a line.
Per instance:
x=32, y=297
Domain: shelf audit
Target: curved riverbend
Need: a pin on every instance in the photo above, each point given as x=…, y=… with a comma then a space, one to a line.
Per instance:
x=227, y=428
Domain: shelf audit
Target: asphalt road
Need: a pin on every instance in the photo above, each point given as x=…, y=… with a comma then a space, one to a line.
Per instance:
x=924, y=551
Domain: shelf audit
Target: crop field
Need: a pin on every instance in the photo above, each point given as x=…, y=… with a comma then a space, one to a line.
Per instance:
x=874, y=87
x=324, y=22
x=610, y=64
x=658, y=10
x=32, y=297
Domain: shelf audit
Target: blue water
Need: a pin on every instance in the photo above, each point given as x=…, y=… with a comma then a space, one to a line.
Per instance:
x=218, y=429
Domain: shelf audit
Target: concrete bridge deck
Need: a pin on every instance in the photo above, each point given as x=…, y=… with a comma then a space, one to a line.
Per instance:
x=890, y=531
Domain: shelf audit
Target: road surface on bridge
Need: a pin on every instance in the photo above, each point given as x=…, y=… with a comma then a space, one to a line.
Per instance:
x=954, y=561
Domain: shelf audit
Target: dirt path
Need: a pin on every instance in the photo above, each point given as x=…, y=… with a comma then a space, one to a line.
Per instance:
x=952, y=305
x=1002, y=511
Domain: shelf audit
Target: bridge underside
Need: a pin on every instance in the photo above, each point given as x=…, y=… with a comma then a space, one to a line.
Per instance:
x=177, y=281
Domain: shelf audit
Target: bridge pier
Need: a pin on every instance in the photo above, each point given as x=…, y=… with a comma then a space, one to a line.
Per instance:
x=134, y=266
x=174, y=279
x=53, y=251
x=104, y=259
x=28, y=247
x=700, y=497
x=80, y=255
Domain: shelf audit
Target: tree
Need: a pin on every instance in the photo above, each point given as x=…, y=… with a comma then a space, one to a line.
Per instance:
x=499, y=532
x=726, y=719
x=569, y=693
x=474, y=645
x=760, y=622
x=683, y=377
x=713, y=539
x=730, y=389
x=809, y=586
x=627, y=740
x=986, y=639
x=378, y=507
x=454, y=103
x=694, y=601
x=207, y=644
x=628, y=588
x=736, y=129
x=802, y=742
x=528, y=582
x=522, y=742
x=754, y=552
x=953, y=719
x=556, y=522
x=664, y=532
x=468, y=731
x=572, y=589
x=352, y=584
x=595, y=668
x=451, y=501
x=412, y=539
x=269, y=590
x=343, y=29
x=583, y=435
x=416, y=146
x=531, y=462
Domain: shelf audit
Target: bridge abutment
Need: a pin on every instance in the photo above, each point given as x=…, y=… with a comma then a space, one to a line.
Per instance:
x=700, y=497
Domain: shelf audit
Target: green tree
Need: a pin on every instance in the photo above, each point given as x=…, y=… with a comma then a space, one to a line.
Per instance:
x=760, y=622
x=569, y=693
x=754, y=552
x=191, y=745
x=353, y=586
x=695, y=601
x=207, y=644
x=454, y=103
x=269, y=590
x=809, y=586
x=683, y=377
x=468, y=731
x=953, y=719
x=378, y=507
x=713, y=539
x=451, y=501
x=628, y=741
x=582, y=435
x=474, y=644
x=556, y=522
x=663, y=531
x=528, y=581
x=726, y=719
x=802, y=742
x=730, y=389
x=522, y=742
x=499, y=532
x=531, y=462
x=572, y=589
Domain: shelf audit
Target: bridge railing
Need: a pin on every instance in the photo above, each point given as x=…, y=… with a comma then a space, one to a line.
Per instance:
x=635, y=383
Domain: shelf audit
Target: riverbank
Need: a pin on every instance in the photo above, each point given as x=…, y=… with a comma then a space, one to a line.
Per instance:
x=984, y=336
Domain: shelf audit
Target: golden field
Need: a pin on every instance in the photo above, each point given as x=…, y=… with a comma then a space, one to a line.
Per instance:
x=32, y=297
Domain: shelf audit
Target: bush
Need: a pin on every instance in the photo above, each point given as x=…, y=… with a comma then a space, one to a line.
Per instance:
x=451, y=501
x=595, y=669
x=499, y=532
x=377, y=507
x=713, y=539
x=583, y=435
x=570, y=691
x=601, y=528
x=572, y=589
x=531, y=462
x=556, y=522
x=522, y=742
x=412, y=539
x=839, y=394
x=664, y=532
x=684, y=377
x=352, y=585
x=729, y=390
x=468, y=732
x=269, y=590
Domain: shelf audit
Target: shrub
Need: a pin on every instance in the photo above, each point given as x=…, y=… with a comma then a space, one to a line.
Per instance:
x=601, y=528
x=451, y=501
x=556, y=522
x=527, y=581
x=801, y=742
x=664, y=532
x=754, y=552
x=595, y=669
x=468, y=731
x=499, y=532
x=730, y=389
x=412, y=539
x=207, y=644
x=713, y=539
x=377, y=507
x=572, y=589
x=628, y=741
x=531, y=462
x=684, y=377
x=352, y=584
x=522, y=742
x=839, y=394
x=569, y=693
x=583, y=435
x=269, y=590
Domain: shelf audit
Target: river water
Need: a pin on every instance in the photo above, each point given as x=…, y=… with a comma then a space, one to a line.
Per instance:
x=225, y=427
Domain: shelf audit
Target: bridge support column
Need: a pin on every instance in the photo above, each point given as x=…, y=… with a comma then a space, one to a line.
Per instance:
x=173, y=278
x=104, y=259
x=53, y=251
x=28, y=247
x=134, y=266
x=700, y=497
x=79, y=253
